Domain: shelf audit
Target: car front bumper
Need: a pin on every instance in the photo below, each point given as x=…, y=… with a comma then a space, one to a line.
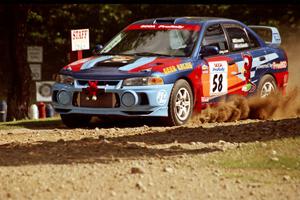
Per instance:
x=156, y=104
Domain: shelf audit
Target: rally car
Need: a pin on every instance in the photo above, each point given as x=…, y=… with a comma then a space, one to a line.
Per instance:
x=170, y=68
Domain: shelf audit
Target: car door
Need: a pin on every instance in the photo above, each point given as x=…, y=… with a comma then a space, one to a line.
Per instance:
x=217, y=77
x=247, y=55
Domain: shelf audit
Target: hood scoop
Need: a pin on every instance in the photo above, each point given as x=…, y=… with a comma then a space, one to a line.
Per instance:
x=110, y=64
x=116, y=61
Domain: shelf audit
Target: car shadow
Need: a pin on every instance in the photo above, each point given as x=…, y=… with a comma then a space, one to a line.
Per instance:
x=38, y=124
x=251, y=132
x=87, y=150
x=111, y=149
x=108, y=122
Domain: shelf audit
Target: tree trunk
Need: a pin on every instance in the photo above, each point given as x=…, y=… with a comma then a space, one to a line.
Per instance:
x=19, y=87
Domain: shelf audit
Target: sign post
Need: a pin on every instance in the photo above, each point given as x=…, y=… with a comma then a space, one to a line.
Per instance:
x=80, y=40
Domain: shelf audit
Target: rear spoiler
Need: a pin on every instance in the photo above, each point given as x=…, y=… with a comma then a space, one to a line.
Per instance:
x=269, y=34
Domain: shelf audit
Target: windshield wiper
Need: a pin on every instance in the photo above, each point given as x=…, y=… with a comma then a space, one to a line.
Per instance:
x=150, y=54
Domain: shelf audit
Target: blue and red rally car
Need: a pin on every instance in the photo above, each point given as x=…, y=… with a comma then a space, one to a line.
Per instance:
x=170, y=67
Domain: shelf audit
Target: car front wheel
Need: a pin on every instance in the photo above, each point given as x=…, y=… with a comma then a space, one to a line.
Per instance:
x=180, y=104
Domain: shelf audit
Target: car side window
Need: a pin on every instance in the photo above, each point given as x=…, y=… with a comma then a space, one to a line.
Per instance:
x=253, y=41
x=238, y=39
x=214, y=36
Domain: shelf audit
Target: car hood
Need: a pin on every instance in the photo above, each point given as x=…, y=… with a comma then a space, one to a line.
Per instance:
x=119, y=67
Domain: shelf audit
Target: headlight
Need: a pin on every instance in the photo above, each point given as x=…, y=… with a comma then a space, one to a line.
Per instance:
x=141, y=81
x=59, y=78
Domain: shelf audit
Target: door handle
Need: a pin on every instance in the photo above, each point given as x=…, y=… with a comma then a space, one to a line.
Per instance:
x=262, y=58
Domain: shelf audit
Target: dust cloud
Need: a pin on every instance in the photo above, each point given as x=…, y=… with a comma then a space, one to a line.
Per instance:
x=237, y=108
x=275, y=106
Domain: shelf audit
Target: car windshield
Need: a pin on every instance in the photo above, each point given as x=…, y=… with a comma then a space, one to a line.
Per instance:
x=155, y=41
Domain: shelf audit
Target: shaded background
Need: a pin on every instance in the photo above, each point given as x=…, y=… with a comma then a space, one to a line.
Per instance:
x=50, y=25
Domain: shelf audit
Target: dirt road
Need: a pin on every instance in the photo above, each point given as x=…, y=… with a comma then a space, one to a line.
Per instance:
x=196, y=161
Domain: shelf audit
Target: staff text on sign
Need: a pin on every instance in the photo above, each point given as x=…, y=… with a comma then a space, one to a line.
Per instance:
x=80, y=39
x=80, y=34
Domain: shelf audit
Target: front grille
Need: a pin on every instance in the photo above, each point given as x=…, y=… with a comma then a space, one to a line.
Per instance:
x=104, y=100
x=99, y=83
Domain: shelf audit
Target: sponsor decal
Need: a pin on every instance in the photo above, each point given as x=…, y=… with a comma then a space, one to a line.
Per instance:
x=218, y=67
x=163, y=27
x=280, y=65
x=204, y=99
x=147, y=26
x=238, y=40
x=170, y=26
x=180, y=67
x=218, y=78
x=240, y=45
x=204, y=69
x=184, y=66
x=264, y=66
x=169, y=70
x=274, y=65
x=161, y=97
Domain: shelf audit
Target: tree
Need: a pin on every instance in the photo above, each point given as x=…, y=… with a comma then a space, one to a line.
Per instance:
x=18, y=93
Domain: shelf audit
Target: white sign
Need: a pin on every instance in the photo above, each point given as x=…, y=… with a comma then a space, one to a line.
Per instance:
x=35, y=54
x=218, y=78
x=80, y=39
x=44, y=91
x=36, y=71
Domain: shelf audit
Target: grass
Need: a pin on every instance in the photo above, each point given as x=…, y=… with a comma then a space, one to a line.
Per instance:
x=32, y=124
x=257, y=156
x=256, y=160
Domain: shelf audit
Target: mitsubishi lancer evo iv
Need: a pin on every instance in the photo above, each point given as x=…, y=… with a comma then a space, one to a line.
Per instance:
x=170, y=68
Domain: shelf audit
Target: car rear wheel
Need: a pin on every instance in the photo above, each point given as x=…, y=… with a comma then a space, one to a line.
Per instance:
x=180, y=104
x=267, y=86
x=75, y=121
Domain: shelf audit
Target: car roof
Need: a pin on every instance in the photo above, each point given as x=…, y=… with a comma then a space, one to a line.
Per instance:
x=183, y=20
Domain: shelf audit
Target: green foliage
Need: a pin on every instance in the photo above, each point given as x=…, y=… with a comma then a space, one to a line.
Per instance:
x=50, y=25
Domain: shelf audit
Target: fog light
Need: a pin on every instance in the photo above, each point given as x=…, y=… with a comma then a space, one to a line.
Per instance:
x=129, y=98
x=64, y=97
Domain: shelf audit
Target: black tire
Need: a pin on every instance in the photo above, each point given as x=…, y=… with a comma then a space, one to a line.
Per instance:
x=173, y=119
x=75, y=121
x=266, y=80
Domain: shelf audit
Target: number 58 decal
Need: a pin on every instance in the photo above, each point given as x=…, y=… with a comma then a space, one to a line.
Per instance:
x=218, y=78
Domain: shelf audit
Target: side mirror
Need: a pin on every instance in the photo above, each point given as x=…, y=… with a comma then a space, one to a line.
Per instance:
x=97, y=49
x=209, y=51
